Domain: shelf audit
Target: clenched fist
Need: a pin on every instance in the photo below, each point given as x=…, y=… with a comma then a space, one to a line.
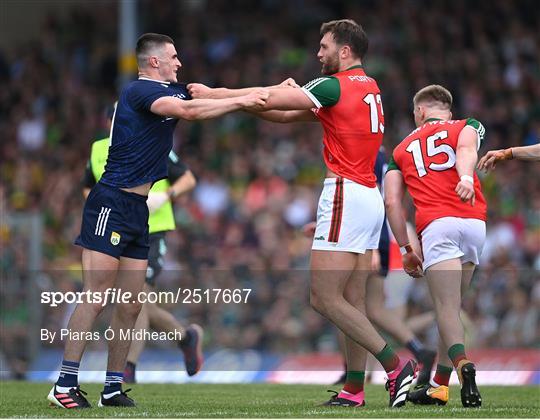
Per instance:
x=199, y=91
x=290, y=82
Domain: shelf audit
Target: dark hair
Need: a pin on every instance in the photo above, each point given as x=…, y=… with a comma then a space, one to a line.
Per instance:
x=347, y=32
x=434, y=95
x=147, y=43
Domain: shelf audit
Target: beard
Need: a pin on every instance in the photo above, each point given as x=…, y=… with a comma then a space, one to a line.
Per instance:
x=331, y=65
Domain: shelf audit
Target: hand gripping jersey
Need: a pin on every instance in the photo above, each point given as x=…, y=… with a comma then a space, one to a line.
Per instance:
x=350, y=109
x=427, y=160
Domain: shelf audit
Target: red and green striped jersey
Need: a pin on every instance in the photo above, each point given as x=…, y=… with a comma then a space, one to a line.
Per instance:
x=349, y=106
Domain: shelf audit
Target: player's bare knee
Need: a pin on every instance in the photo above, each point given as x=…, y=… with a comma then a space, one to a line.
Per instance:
x=130, y=310
x=318, y=302
x=94, y=308
x=372, y=312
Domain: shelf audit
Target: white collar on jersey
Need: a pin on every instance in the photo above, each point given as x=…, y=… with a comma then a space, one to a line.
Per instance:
x=154, y=80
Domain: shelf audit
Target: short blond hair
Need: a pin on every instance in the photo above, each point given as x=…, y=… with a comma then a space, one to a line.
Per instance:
x=434, y=95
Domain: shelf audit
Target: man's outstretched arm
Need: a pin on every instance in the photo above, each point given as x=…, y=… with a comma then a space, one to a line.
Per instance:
x=201, y=91
x=287, y=116
x=201, y=109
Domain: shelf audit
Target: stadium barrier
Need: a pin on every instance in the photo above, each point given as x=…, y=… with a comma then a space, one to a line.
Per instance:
x=494, y=367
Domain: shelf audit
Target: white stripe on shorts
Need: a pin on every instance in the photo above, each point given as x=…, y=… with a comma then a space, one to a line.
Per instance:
x=99, y=220
x=106, y=215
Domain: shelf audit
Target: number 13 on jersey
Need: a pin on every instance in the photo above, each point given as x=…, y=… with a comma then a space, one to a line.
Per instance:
x=375, y=106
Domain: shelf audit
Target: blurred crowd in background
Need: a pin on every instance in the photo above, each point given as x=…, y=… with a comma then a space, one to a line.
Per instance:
x=258, y=182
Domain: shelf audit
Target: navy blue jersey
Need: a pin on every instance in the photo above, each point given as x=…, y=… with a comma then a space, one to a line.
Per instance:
x=380, y=167
x=140, y=139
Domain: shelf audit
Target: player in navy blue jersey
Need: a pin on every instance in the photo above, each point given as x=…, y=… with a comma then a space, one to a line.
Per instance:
x=114, y=231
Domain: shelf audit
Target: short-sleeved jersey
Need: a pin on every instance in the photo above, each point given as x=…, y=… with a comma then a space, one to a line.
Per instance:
x=427, y=161
x=141, y=140
x=349, y=106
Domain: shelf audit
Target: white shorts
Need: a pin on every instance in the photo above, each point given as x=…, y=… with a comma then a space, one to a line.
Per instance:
x=397, y=288
x=453, y=237
x=349, y=217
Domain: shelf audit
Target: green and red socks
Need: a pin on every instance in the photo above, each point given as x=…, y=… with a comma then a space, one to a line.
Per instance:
x=355, y=381
x=388, y=358
x=442, y=376
x=456, y=353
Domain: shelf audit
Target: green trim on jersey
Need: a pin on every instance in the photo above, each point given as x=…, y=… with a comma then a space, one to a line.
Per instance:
x=479, y=128
x=357, y=66
x=323, y=91
x=392, y=165
x=163, y=218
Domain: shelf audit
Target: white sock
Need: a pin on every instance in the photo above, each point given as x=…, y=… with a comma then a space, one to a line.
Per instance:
x=433, y=383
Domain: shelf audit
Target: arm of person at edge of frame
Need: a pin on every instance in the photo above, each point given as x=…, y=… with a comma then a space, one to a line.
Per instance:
x=527, y=153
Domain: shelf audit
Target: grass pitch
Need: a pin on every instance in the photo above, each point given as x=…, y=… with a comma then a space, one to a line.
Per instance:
x=24, y=399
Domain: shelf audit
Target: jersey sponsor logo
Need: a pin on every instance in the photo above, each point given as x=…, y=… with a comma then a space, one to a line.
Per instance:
x=179, y=95
x=115, y=238
x=360, y=79
x=102, y=221
x=319, y=238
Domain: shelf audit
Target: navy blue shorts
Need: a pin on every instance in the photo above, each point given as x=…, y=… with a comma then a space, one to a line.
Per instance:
x=115, y=222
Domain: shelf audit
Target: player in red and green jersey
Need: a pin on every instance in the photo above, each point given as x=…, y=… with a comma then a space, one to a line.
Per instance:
x=436, y=163
x=347, y=102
